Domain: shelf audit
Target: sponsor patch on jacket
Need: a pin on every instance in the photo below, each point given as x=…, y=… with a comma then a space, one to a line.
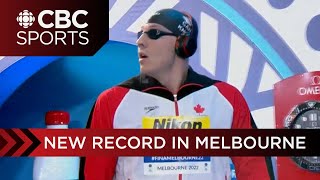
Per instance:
x=176, y=122
x=162, y=165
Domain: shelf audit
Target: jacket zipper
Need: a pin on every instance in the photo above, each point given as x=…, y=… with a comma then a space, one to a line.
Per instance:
x=175, y=97
x=176, y=107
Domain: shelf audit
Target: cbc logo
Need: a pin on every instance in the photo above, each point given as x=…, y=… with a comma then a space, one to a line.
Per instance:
x=61, y=19
x=25, y=19
x=55, y=24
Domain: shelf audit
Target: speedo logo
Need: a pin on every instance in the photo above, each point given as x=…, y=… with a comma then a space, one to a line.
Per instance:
x=176, y=122
x=150, y=108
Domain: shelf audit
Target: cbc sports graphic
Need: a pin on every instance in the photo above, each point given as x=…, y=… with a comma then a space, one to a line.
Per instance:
x=63, y=20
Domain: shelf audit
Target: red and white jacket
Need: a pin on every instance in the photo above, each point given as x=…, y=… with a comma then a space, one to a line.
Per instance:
x=123, y=106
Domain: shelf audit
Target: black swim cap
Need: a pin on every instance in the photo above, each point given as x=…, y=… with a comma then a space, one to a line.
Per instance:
x=181, y=24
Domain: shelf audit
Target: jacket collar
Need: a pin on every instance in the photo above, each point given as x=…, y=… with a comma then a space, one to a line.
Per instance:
x=148, y=81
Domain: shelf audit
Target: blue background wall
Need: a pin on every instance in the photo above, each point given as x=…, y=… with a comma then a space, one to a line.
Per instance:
x=69, y=83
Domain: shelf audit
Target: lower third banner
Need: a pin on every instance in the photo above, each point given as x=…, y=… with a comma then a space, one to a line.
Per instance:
x=159, y=142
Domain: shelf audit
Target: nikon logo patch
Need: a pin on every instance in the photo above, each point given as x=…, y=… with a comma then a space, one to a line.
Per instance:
x=176, y=122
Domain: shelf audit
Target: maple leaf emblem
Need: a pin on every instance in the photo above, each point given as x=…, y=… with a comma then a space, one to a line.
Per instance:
x=199, y=109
